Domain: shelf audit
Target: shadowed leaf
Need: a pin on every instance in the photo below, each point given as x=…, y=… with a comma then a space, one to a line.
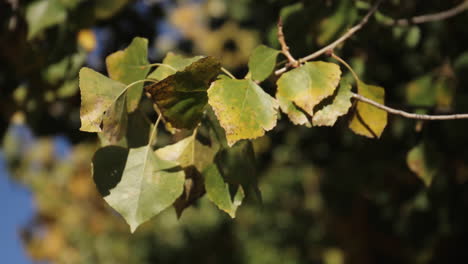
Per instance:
x=243, y=109
x=369, y=120
x=295, y=114
x=219, y=193
x=128, y=66
x=181, y=97
x=340, y=106
x=262, y=62
x=309, y=84
x=148, y=185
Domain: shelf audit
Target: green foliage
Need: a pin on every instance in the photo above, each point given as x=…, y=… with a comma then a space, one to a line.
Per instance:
x=42, y=14
x=262, y=62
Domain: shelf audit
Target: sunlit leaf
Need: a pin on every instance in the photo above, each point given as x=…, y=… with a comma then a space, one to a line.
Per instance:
x=243, y=109
x=172, y=63
x=309, y=84
x=369, y=120
x=188, y=152
x=42, y=14
x=141, y=187
x=340, y=106
x=295, y=114
x=219, y=193
x=98, y=93
x=182, y=97
x=262, y=62
x=128, y=66
x=423, y=161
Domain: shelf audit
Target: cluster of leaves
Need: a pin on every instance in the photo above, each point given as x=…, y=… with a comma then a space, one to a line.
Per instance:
x=140, y=182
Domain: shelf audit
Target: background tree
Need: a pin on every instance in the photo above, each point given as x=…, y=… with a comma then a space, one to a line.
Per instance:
x=329, y=196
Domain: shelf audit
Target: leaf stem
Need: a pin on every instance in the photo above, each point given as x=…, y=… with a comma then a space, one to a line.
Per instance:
x=347, y=66
x=228, y=73
x=159, y=64
x=154, y=132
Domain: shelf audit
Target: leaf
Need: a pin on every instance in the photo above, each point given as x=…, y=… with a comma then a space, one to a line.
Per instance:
x=104, y=9
x=243, y=109
x=194, y=188
x=115, y=120
x=42, y=14
x=309, y=84
x=237, y=165
x=262, y=62
x=340, y=106
x=128, y=66
x=219, y=192
x=182, y=97
x=188, y=152
x=139, y=186
x=98, y=93
x=423, y=161
x=295, y=114
x=369, y=120
x=172, y=63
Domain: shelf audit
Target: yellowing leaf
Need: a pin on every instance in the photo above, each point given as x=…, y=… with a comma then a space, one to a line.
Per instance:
x=139, y=185
x=423, y=162
x=181, y=97
x=309, y=84
x=295, y=114
x=188, y=152
x=262, y=62
x=172, y=63
x=340, y=106
x=219, y=193
x=369, y=120
x=98, y=93
x=128, y=66
x=243, y=109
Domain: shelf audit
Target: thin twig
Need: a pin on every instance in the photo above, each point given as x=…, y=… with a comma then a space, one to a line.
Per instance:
x=406, y=114
x=335, y=43
x=284, y=47
x=431, y=17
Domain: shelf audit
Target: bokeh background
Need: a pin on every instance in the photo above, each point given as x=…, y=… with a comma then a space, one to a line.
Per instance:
x=329, y=196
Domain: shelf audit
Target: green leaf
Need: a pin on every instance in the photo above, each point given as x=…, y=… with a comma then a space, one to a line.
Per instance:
x=219, y=192
x=182, y=97
x=368, y=120
x=262, y=62
x=172, y=63
x=128, y=66
x=104, y=9
x=340, y=106
x=98, y=93
x=237, y=165
x=139, y=186
x=309, y=84
x=421, y=92
x=243, y=109
x=295, y=114
x=42, y=14
x=423, y=161
x=188, y=152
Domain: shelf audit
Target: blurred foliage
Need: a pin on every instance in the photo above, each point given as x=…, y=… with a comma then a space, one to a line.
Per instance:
x=328, y=196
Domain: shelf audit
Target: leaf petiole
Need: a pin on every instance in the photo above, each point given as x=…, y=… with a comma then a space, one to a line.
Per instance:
x=228, y=73
x=347, y=66
x=159, y=64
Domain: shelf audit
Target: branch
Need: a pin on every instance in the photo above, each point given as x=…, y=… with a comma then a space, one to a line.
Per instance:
x=335, y=43
x=431, y=17
x=406, y=114
x=284, y=47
